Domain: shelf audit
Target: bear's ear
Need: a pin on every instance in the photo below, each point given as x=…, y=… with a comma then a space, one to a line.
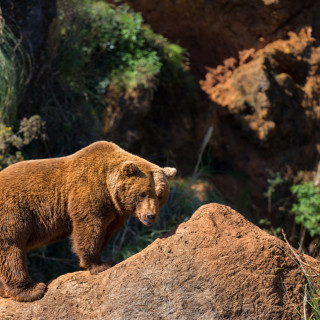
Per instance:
x=169, y=172
x=129, y=168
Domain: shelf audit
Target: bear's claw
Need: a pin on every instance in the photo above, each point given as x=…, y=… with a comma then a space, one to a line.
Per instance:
x=95, y=269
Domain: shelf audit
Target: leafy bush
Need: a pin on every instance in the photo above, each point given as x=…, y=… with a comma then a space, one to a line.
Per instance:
x=101, y=44
x=307, y=209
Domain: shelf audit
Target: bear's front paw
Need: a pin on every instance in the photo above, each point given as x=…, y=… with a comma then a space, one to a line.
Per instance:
x=95, y=269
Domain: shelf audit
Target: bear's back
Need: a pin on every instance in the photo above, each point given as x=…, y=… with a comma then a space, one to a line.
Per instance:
x=31, y=174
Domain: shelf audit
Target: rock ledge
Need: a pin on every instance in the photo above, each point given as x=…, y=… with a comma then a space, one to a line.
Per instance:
x=217, y=265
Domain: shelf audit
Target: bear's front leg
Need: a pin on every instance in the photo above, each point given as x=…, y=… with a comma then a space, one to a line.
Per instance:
x=88, y=242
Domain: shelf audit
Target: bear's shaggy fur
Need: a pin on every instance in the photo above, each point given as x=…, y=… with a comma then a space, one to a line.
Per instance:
x=88, y=195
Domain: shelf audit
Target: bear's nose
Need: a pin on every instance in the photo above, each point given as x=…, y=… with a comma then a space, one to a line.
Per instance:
x=151, y=216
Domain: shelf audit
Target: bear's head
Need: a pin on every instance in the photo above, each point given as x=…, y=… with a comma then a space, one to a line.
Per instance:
x=142, y=189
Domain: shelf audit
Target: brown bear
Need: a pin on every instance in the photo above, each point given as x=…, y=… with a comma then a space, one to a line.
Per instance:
x=87, y=195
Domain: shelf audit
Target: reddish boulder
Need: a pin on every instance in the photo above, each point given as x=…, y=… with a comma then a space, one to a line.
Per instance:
x=217, y=265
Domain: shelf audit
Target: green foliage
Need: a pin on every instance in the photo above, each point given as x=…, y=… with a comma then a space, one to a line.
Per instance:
x=15, y=66
x=14, y=70
x=12, y=144
x=101, y=44
x=307, y=208
x=128, y=244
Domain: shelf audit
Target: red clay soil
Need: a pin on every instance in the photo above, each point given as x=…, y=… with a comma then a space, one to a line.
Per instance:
x=217, y=265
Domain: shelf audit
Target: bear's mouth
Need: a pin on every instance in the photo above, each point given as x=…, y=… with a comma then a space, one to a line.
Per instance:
x=146, y=222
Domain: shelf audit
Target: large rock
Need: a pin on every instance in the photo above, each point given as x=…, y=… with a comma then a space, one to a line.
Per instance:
x=217, y=266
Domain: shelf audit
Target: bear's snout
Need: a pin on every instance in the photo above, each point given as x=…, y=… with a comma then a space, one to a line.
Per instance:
x=151, y=216
x=149, y=219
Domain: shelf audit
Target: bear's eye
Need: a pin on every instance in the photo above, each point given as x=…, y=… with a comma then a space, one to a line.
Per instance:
x=159, y=197
x=143, y=195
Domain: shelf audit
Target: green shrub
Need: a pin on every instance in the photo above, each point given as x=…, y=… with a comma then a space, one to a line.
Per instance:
x=307, y=208
x=101, y=44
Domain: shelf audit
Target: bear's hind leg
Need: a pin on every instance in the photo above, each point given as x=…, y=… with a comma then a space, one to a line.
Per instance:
x=14, y=276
